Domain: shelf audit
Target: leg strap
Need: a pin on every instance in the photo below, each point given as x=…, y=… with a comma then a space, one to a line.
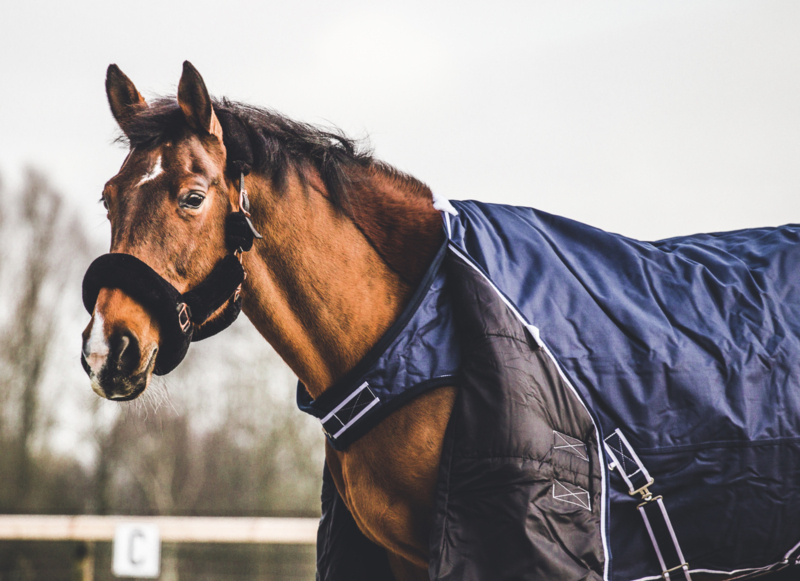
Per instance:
x=652, y=509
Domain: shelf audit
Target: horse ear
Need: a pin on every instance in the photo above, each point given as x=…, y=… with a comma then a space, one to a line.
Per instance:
x=196, y=104
x=123, y=97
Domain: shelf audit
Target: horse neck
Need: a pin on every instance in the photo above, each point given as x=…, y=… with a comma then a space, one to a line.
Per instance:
x=325, y=284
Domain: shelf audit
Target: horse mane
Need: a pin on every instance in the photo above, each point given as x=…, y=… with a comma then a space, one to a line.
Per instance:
x=391, y=208
x=279, y=144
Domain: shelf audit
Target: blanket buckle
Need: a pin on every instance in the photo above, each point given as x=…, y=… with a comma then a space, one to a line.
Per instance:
x=647, y=496
x=657, y=523
x=685, y=567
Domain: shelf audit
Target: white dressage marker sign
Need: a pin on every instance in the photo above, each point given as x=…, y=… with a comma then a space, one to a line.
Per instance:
x=137, y=550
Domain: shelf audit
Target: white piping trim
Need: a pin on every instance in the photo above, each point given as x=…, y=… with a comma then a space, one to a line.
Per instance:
x=602, y=463
x=446, y=209
x=789, y=554
x=446, y=218
x=785, y=561
x=514, y=310
x=714, y=572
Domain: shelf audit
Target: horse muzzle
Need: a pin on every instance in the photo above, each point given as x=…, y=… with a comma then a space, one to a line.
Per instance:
x=117, y=362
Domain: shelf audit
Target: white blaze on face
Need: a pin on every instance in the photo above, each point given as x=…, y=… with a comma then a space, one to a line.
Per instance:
x=153, y=173
x=97, y=349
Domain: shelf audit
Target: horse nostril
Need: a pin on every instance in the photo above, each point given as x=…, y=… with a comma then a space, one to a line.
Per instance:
x=124, y=352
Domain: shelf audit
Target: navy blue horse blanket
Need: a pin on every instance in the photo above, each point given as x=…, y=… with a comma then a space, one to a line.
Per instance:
x=688, y=347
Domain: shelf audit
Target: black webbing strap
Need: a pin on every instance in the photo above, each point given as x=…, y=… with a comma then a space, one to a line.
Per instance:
x=239, y=233
x=211, y=294
x=219, y=323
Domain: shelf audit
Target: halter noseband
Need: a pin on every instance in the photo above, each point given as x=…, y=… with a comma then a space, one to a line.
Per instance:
x=184, y=318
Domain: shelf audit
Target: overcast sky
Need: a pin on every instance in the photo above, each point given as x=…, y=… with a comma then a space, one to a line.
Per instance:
x=651, y=118
x=647, y=118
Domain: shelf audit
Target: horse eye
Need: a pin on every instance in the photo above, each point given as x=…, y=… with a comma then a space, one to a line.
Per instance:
x=104, y=202
x=193, y=200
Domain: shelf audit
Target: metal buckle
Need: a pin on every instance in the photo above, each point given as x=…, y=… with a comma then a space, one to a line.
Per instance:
x=665, y=574
x=237, y=293
x=648, y=500
x=647, y=496
x=244, y=202
x=184, y=317
x=244, y=207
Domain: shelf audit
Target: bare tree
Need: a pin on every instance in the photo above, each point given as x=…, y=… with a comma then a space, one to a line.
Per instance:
x=228, y=441
x=35, y=265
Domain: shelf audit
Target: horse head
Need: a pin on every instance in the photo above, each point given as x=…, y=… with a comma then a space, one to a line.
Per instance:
x=167, y=207
x=329, y=212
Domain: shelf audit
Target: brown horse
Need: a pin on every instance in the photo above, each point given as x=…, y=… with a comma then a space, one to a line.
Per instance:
x=346, y=241
x=330, y=215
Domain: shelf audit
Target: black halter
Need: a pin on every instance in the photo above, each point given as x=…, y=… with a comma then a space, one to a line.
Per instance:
x=183, y=318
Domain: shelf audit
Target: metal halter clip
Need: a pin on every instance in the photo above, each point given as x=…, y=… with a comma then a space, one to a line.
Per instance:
x=244, y=206
x=244, y=202
x=238, y=292
x=184, y=316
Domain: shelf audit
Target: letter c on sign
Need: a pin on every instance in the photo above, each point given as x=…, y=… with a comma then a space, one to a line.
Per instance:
x=133, y=553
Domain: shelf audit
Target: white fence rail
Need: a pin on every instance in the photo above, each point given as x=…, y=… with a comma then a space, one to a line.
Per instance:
x=173, y=529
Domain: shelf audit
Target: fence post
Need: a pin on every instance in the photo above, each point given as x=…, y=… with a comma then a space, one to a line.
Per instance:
x=83, y=562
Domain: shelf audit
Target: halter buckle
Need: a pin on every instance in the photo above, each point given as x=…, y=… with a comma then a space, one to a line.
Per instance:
x=238, y=292
x=244, y=201
x=244, y=207
x=184, y=317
